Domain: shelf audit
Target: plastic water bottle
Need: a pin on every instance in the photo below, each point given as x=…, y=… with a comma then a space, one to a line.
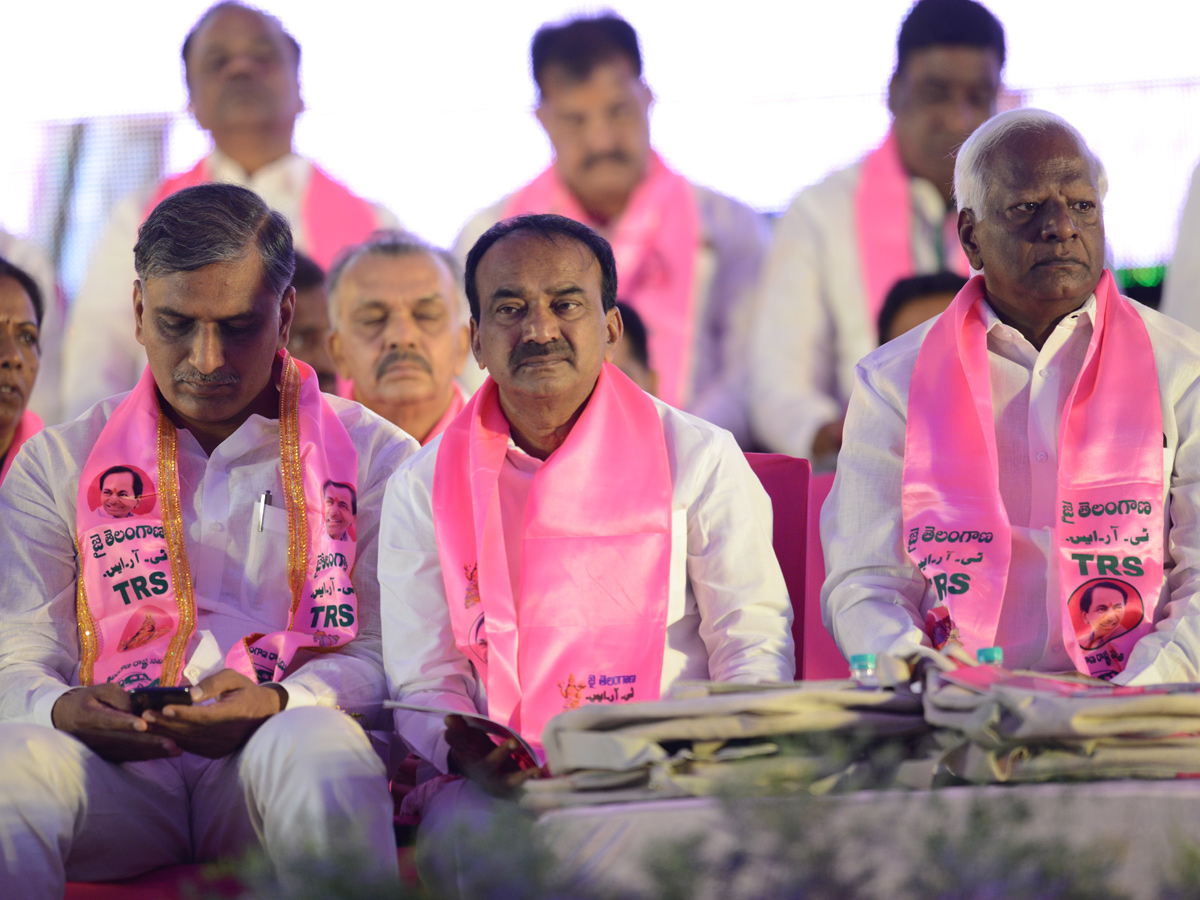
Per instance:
x=862, y=669
x=990, y=656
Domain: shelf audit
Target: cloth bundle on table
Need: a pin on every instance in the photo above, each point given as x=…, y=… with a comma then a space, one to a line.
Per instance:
x=1026, y=726
x=706, y=737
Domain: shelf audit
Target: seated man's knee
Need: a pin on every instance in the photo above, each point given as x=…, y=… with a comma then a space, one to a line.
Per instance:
x=316, y=738
x=39, y=760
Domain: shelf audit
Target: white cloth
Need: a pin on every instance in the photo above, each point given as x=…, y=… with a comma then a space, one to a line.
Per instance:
x=240, y=574
x=811, y=325
x=307, y=786
x=729, y=617
x=733, y=244
x=1181, y=286
x=101, y=355
x=36, y=263
x=875, y=599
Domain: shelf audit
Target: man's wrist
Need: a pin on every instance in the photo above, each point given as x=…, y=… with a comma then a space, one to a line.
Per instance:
x=280, y=692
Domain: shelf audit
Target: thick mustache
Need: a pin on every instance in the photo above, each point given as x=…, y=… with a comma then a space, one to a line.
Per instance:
x=617, y=156
x=528, y=350
x=401, y=356
x=194, y=377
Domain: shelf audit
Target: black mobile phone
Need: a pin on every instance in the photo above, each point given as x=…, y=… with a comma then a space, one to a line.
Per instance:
x=156, y=698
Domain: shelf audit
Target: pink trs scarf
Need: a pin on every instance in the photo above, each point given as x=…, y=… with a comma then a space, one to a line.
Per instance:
x=655, y=242
x=883, y=213
x=1110, y=484
x=590, y=623
x=135, y=601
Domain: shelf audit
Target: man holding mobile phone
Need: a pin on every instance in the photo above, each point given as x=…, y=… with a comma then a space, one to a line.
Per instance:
x=248, y=607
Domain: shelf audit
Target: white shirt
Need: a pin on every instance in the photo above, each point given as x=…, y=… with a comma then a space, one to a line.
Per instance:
x=240, y=574
x=875, y=599
x=1181, y=286
x=101, y=355
x=812, y=325
x=728, y=619
x=733, y=242
x=36, y=263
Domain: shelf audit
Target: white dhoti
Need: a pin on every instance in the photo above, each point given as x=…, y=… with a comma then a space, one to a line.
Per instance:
x=307, y=785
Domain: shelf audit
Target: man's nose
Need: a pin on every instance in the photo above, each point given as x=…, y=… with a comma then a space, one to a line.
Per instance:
x=1058, y=222
x=541, y=325
x=400, y=331
x=208, y=350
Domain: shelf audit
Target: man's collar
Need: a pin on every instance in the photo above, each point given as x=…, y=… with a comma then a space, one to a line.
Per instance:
x=992, y=321
x=927, y=201
x=225, y=169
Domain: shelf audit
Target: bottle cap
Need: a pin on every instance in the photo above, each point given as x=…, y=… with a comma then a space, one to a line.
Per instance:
x=993, y=655
x=862, y=661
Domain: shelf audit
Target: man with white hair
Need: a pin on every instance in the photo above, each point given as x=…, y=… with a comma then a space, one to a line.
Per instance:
x=399, y=335
x=1039, y=437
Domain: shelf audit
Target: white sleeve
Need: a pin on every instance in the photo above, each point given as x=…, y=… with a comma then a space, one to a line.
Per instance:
x=745, y=613
x=793, y=344
x=101, y=355
x=1171, y=653
x=871, y=601
x=39, y=641
x=1181, y=287
x=423, y=663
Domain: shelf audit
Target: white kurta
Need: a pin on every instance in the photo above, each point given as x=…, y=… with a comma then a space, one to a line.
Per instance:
x=307, y=782
x=875, y=599
x=729, y=617
x=101, y=355
x=812, y=325
x=1181, y=287
x=240, y=574
x=733, y=244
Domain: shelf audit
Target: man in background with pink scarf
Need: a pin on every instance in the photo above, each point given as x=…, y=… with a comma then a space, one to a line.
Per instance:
x=843, y=243
x=1028, y=463
x=569, y=540
x=688, y=257
x=242, y=70
x=219, y=576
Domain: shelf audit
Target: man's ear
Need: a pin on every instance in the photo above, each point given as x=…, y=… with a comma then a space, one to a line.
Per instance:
x=287, y=312
x=893, y=93
x=966, y=237
x=138, y=308
x=464, y=346
x=614, y=328
x=476, y=346
x=334, y=344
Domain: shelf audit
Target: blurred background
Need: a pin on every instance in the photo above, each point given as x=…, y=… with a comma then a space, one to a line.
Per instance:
x=427, y=108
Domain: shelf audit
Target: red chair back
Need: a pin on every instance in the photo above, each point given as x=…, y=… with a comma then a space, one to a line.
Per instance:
x=786, y=481
x=822, y=658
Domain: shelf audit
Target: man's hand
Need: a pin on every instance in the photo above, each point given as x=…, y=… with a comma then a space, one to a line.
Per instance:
x=828, y=439
x=100, y=717
x=218, y=728
x=493, y=767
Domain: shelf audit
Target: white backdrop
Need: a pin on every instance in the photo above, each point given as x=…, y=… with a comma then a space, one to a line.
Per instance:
x=427, y=107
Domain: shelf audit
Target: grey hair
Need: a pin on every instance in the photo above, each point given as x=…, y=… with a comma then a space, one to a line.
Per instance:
x=971, y=175
x=214, y=223
x=393, y=242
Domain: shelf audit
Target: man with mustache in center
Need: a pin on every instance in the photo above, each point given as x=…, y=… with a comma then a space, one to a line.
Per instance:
x=688, y=257
x=568, y=540
x=399, y=335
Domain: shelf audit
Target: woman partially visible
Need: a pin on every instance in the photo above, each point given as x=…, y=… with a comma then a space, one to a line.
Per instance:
x=20, y=319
